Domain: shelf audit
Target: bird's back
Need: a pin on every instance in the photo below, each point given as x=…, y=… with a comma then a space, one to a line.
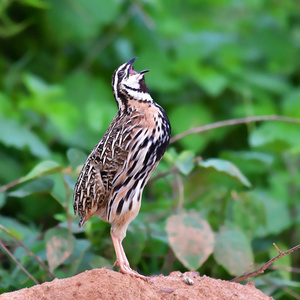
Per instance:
x=95, y=181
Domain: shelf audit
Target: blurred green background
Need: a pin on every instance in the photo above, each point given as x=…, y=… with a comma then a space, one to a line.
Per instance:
x=233, y=190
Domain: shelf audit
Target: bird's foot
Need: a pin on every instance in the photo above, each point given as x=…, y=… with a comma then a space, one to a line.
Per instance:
x=125, y=269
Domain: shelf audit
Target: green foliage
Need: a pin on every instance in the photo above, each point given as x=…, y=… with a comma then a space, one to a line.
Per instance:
x=226, y=167
x=233, y=250
x=218, y=200
x=60, y=245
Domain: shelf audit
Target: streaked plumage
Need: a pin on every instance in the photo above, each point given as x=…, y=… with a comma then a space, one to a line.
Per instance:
x=112, y=180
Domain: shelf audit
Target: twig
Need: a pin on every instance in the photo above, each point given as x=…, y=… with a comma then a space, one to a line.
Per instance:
x=18, y=263
x=261, y=270
x=10, y=185
x=38, y=259
x=233, y=122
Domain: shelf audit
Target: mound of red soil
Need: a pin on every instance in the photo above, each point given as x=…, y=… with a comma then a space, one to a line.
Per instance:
x=106, y=284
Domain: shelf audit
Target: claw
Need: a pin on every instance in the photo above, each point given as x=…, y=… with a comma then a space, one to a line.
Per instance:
x=122, y=261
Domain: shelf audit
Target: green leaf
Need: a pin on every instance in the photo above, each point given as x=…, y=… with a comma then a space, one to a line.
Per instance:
x=251, y=163
x=202, y=44
x=2, y=199
x=134, y=243
x=266, y=82
x=84, y=17
x=36, y=3
x=276, y=136
x=76, y=157
x=38, y=86
x=198, y=115
x=211, y=80
x=248, y=213
x=44, y=168
x=273, y=207
x=61, y=217
x=81, y=247
x=233, y=250
x=100, y=262
x=291, y=104
x=59, y=192
x=226, y=167
x=191, y=238
x=20, y=230
x=7, y=280
x=185, y=162
x=39, y=185
x=16, y=135
x=14, y=28
x=60, y=245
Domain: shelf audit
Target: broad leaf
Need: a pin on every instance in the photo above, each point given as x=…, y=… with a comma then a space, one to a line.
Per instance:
x=134, y=243
x=44, y=168
x=76, y=157
x=226, y=167
x=185, y=162
x=15, y=134
x=191, y=238
x=276, y=136
x=2, y=199
x=84, y=17
x=19, y=229
x=60, y=245
x=233, y=250
x=39, y=185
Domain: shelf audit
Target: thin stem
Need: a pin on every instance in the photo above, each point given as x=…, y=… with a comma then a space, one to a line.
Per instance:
x=10, y=185
x=233, y=122
x=20, y=243
x=18, y=263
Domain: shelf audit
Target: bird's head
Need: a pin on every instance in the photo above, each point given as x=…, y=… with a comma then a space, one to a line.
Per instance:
x=127, y=84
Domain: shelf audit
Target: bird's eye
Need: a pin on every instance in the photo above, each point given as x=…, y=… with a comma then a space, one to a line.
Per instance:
x=121, y=74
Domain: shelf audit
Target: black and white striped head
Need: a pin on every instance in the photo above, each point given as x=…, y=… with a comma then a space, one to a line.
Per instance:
x=127, y=84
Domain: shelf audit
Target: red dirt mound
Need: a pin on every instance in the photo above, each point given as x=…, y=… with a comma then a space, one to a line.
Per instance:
x=106, y=284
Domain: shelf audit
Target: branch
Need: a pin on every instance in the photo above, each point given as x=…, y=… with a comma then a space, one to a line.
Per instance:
x=10, y=185
x=18, y=263
x=261, y=270
x=20, y=243
x=232, y=122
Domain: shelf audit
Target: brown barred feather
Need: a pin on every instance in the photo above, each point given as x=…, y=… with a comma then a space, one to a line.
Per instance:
x=113, y=177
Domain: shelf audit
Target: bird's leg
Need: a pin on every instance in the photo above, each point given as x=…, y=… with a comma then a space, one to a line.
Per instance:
x=122, y=261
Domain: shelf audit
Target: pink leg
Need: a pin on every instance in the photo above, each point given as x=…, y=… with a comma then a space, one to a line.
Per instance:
x=122, y=261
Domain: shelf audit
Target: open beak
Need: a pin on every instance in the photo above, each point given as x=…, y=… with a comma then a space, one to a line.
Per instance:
x=133, y=72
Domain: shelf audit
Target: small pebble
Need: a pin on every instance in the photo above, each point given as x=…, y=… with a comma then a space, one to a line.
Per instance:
x=188, y=280
x=166, y=290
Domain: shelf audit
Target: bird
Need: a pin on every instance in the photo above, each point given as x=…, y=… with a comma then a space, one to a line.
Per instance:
x=112, y=179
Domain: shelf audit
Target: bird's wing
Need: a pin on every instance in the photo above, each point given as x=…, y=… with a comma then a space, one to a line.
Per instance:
x=105, y=163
